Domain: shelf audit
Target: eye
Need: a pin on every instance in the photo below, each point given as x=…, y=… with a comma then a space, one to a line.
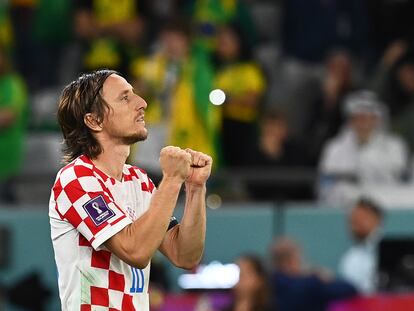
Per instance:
x=125, y=98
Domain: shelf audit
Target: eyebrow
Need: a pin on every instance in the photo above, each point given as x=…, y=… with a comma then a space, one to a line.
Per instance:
x=126, y=92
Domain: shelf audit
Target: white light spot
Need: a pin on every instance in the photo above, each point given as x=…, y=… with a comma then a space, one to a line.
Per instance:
x=217, y=97
x=213, y=201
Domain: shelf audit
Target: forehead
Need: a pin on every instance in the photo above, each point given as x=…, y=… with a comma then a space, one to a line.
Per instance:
x=361, y=211
x=364, y=114
x=114, y=85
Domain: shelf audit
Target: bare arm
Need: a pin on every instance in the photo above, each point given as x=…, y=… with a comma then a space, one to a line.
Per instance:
x=136, y=243
x=184, y=244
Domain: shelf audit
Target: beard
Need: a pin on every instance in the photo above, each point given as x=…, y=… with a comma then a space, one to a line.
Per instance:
x=134, y=138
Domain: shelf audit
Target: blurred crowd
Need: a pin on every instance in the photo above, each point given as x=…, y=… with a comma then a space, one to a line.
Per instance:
x=284, y=280
x=322, y=91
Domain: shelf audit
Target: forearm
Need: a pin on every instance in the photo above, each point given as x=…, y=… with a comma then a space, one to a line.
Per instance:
x=184, y=244
x=137, y=243
x=192, y=231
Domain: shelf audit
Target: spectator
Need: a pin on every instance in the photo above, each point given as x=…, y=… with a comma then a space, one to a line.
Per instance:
x=395, y=83
x=252, y=292
x=276, y=148
x=176, y=81
x=12, y=127
x=51, y=42
x=364, y=154
x=110, y=31
x=22, y=41
x=388, y=81
x=325, y=114
x=359, y=263
x=209, y=16
x=298, y=290
x=243, y=82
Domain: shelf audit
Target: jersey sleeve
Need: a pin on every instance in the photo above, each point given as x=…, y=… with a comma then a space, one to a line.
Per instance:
x=83, y=200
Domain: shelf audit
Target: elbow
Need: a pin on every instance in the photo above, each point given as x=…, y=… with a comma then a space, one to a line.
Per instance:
x=139, y=261
x=189, y=263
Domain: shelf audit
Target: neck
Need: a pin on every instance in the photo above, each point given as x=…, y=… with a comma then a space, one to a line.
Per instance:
x=112, y=159
x=364, y=137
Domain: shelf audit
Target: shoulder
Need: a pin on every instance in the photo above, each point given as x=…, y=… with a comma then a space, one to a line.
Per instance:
x=344, y=141
x=396, y=141
x=331, y=148
x=77, y=168
x=79, y=173
x=252, y=68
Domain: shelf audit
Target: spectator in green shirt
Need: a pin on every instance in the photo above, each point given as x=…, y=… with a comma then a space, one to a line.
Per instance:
x=13, y=101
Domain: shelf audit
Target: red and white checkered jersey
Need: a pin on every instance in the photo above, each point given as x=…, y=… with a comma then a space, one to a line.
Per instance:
x=86, y=208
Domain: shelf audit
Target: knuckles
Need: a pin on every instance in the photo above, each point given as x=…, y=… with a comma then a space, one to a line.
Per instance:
x=189, y=155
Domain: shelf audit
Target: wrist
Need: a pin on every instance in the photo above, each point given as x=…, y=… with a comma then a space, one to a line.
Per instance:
x=191, y=187
x=174, y=181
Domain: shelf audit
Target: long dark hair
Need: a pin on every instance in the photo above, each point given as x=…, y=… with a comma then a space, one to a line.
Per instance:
x=261, y=299
x=82, y=96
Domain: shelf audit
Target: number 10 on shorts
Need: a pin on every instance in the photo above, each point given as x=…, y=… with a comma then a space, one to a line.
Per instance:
x=137, y=280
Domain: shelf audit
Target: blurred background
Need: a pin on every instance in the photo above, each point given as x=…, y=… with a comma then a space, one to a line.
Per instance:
x=307, y=108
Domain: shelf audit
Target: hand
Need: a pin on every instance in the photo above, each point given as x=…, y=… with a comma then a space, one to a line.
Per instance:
x=175, y=163
x=394, y=52
x=200, y=168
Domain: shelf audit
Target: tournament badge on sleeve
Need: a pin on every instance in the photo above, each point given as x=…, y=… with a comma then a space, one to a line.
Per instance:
x=98, y=210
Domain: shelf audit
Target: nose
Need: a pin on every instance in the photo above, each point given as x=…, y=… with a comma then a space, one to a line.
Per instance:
x=141, y=103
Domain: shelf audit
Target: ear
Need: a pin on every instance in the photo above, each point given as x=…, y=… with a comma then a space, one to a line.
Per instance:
x=92, y=122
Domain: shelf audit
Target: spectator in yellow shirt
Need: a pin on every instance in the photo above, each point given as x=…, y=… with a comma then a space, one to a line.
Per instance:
x=243, y=82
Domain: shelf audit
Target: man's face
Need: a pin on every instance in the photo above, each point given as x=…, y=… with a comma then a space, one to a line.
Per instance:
x=363, y=222
x=275, y=129
x=228, y=44
x=124, y=122
x=175, y=44
x=364, y=123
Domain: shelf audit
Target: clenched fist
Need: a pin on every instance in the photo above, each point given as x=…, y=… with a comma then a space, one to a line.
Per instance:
x=200, y=168
x=175, y=163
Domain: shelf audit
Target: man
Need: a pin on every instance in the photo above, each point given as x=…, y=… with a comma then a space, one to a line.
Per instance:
x=107, y=219
x=13, y=106
x=359, y=263
x=296, y=289
x=364, y=156
x=177, y=80
x=110, y=31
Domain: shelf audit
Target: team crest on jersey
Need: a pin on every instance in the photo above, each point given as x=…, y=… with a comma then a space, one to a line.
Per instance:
x=98, y=210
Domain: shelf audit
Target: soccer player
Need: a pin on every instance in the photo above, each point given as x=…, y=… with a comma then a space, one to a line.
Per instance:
x=107, y=219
